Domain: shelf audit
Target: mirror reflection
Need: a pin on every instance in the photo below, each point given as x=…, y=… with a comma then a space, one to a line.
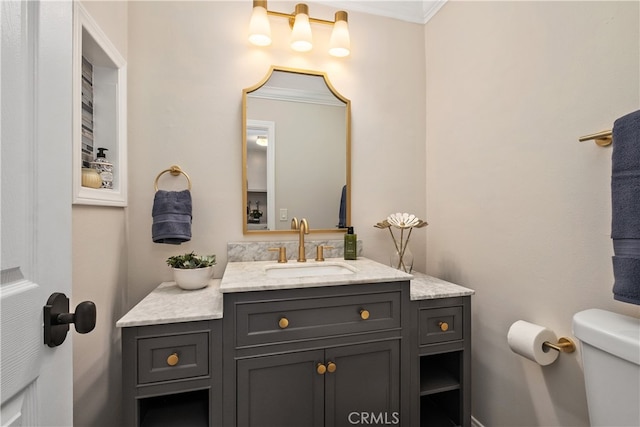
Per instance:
x=296, y=153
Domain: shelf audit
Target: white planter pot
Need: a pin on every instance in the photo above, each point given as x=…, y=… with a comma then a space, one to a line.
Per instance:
x=194, y=278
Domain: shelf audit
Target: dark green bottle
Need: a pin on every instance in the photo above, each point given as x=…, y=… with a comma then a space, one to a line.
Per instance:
x=350, y=244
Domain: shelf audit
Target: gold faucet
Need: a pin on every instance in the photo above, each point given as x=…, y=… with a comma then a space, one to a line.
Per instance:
x=303, y=228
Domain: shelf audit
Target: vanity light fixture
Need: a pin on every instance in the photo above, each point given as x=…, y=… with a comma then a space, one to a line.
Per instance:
x=262, y=140
x=299, y=20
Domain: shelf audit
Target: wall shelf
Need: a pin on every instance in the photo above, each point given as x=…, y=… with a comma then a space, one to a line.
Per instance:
x=106, y=95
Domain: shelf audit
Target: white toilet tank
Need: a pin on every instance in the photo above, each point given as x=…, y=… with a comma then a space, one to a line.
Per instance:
x=610, y=345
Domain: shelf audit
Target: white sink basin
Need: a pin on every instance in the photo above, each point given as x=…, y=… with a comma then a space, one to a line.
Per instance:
x=309, y=269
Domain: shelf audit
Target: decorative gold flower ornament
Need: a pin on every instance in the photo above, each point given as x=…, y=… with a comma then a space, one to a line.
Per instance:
x=405, y=220
x=402, y=221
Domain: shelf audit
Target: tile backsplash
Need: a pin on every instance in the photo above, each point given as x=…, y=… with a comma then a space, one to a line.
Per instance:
x=259, y=251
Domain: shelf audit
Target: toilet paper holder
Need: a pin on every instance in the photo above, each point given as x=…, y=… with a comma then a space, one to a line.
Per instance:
x=564, y=345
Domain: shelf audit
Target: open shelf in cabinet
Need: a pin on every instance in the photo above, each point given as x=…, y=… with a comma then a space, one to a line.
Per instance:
x=181, y=409
x=439, y=373
x=440, y=410
x=440, y=389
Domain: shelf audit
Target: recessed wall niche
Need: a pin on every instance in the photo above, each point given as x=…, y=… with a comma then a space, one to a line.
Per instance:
x=99, y=110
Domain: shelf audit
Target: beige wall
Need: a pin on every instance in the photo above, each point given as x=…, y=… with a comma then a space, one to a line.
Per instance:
x=99, y=275
x=519, y=210
x=188, y=63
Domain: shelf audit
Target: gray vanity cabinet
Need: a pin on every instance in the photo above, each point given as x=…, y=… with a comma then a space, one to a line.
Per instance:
x=293, y=389
x=281, y=390
x=367, y=382
x=315, y=356
x=441, y=336
x=172, y=374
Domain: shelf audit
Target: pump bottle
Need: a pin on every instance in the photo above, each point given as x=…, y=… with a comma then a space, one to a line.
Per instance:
x=350, y=244
x=104, y=168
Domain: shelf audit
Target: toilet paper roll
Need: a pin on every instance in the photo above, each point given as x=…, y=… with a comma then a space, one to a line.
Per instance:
x=526, y=339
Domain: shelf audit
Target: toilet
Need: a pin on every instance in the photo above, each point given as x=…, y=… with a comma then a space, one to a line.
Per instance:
x=610, y=345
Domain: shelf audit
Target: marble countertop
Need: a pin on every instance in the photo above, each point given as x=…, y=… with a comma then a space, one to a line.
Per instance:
x=170, y=304
x=428, y=287
x=252, y=276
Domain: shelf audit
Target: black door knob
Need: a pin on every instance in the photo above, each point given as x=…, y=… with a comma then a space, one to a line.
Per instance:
x=57, y=318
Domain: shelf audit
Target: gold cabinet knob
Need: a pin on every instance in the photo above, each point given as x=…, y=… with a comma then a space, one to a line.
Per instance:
x=331, y=367
x=364, y=314
x=321, y=369
x=173, y=359
x=283, y=323
x=444, y=326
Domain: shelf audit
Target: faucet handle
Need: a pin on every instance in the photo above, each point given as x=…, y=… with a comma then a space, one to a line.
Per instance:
x=320, y=252
x=282, y=253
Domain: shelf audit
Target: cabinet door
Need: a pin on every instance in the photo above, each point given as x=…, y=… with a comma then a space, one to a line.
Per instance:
x=281, y=390
x=365, y=386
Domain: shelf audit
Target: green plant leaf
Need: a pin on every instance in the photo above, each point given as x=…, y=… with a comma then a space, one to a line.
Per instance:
x=191, y=261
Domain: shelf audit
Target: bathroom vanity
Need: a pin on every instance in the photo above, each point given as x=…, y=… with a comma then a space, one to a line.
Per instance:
x=334, y=348
x=172, y=358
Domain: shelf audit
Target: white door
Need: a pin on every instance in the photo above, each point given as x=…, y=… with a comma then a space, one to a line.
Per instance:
x=35, y=190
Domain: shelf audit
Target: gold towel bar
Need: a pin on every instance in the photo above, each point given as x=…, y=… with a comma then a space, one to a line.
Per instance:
x=175, y=171
x=602, y=138
x=564, y=345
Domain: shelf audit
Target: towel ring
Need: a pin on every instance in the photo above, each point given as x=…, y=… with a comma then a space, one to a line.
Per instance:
x=175, y=171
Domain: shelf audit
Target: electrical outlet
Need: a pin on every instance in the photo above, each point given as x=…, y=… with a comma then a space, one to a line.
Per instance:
x=283, y=215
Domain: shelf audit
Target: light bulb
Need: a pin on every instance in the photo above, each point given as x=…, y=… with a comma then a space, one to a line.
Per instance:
x=301, y=39
x=259, y=28
x=340, y=43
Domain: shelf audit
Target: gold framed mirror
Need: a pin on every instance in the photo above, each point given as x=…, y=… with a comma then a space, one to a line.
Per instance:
x=296, y=153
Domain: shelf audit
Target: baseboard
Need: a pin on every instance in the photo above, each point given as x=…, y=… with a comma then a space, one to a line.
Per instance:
x=475, y=423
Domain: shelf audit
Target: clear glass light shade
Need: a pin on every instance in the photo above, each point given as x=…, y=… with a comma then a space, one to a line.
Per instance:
x=340, y=43
x=301, y=40
x=259, y=28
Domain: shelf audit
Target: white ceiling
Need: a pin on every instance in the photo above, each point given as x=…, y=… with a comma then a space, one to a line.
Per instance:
x=418, y=11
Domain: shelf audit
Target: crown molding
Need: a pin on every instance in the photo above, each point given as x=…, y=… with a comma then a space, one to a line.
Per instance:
x=418, y=12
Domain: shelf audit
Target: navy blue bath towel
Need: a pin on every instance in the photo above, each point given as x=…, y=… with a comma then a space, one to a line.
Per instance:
x=171, y=217
x=625, y=208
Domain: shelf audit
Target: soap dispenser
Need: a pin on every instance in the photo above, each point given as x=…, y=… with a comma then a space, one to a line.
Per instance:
x=104, y=168
x=350, y=244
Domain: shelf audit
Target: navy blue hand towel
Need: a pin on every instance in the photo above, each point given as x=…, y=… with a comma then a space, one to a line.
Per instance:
x=171, y=217
x=342, y=215
x=625, y=208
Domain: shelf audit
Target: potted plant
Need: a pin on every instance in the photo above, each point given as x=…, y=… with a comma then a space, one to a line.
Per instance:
x=192, y=271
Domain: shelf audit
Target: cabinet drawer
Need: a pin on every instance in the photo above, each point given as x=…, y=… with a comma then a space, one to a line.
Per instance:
x=261, y=322
x=173, y=357
x=437, y=325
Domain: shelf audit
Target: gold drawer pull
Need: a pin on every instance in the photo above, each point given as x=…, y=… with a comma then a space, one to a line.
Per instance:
x=331, y=367
x=283, y=323
x=321, y=369
x=364, y=314
x=173, y=359
x=444, y=326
